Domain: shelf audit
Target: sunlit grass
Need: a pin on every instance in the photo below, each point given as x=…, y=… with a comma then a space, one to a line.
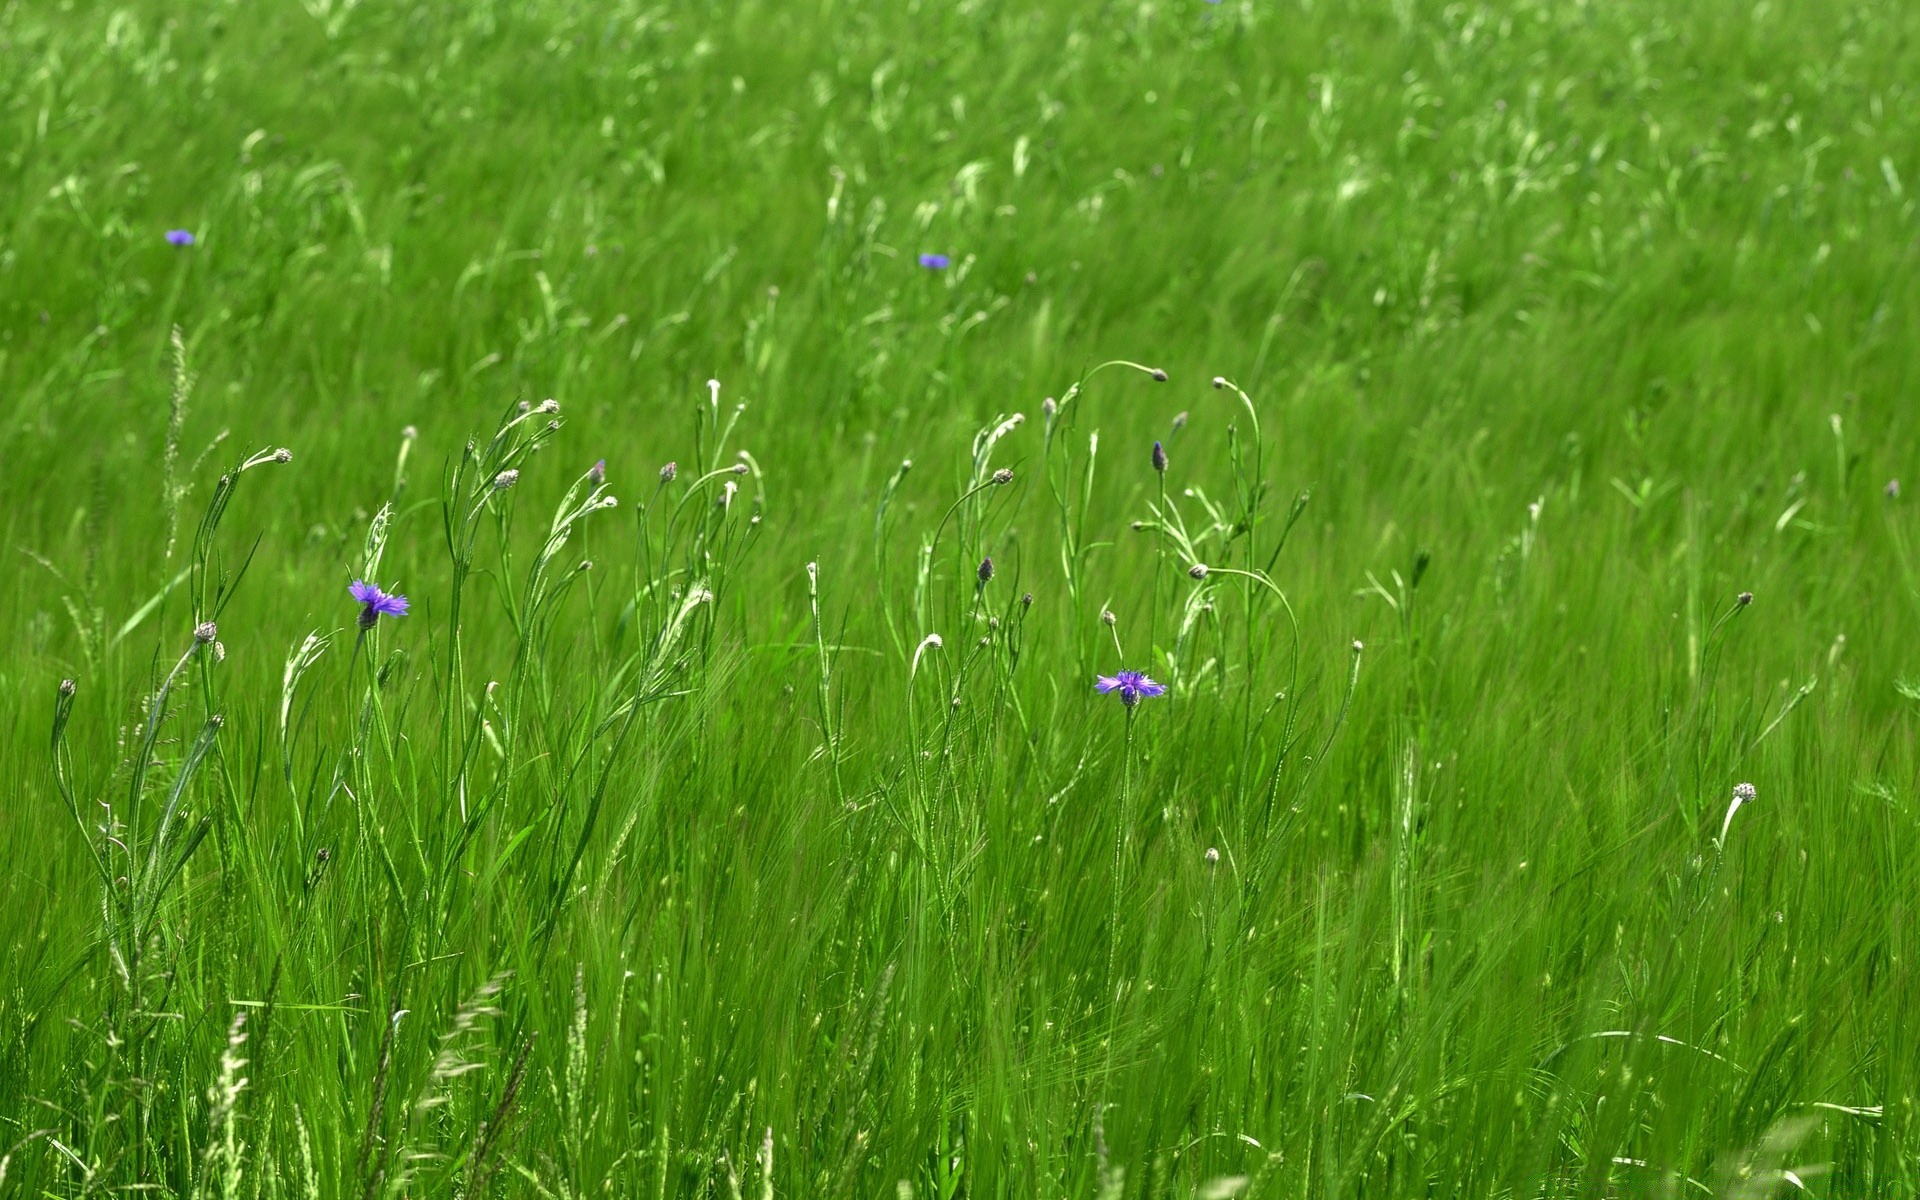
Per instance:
x=1486, y=422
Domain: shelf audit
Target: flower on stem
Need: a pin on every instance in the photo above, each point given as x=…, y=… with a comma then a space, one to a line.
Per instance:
x=1159, y=458
x=1743, y=793
x=376, y=603
x=179, y=237
x=1133, y=686
x=597, y=473
x=985, y=573
x=935, y=262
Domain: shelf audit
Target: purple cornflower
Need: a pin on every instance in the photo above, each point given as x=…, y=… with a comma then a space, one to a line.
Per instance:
x=179, y=237
x=1132, y=685
x=377, y=603
x=935, y=262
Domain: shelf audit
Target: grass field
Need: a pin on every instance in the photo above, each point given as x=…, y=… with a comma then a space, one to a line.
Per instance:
x=1484, y=418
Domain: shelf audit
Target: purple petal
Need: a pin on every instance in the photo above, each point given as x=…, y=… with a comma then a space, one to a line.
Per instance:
x=1107, y=683
x=1149, y=688
x=365, y=593
x=392, y=606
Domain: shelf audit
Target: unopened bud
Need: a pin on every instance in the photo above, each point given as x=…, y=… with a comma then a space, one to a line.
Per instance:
x=1197, y=571
x=1003, y=476
x=1159, y=458
x=668, y=472
x=505, y=479
x=985, y=573
x=205, y=632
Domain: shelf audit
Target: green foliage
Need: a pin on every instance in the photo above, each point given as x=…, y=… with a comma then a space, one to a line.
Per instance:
x=715, y=824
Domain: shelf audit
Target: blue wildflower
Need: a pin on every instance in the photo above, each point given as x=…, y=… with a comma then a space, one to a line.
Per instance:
x=179, y=237
x=377, y=603
x=935, y=262
x=1132, y=685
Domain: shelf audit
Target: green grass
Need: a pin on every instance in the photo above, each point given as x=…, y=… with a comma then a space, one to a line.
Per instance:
x=701, y=872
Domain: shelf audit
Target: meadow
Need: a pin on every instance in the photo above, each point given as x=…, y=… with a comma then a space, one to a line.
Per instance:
x=1484, y=419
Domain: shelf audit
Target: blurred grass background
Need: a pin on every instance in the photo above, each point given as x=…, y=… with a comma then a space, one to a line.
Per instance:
x=1649, y=266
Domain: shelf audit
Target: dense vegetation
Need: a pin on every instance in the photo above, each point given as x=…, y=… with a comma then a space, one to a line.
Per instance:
x=1484, y=419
